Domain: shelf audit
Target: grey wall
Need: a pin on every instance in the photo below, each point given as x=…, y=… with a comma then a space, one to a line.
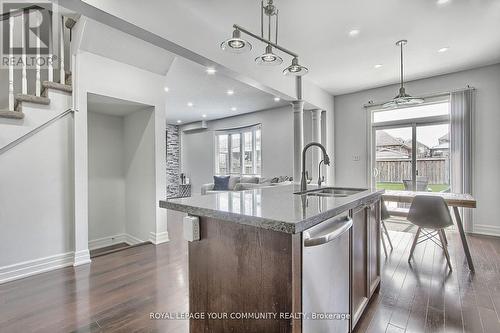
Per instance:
x=350, y=135
x=173, y=160
x=197, y=149
x=106, y=175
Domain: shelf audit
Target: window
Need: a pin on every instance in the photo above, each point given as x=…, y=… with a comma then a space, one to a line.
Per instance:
x=239, y=151
x=410, y=148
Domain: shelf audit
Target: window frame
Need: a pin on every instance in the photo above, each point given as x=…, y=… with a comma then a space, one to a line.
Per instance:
x=241, y=132
x=412, y=123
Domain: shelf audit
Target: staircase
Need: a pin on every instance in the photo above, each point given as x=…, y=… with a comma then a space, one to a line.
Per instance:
x=17, y=20
x=17, y=113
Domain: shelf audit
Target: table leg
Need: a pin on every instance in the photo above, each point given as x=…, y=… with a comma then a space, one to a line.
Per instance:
x=464, y=240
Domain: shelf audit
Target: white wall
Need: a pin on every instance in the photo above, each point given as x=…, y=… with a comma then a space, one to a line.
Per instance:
x=197, y=149
x=106, y=77
x=139, y=163
x=350, y=135
x=106, y=176
x=36, y=211
x=121, y=177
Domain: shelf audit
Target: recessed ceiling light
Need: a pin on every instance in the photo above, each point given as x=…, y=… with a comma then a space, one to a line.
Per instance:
x=203, y=115
x=166, y=89
x=230, y=92
x=354, y=32
x=277, y=99
x=443, y=49
x=377, y=66
x=234, y=108
x=179, y=121
x=442, y=2
x=190, y=104
x=211, y=70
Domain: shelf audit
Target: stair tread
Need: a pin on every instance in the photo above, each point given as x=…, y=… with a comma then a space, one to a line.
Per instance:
x=11, y=114
x=33, y=99
x=57, y=86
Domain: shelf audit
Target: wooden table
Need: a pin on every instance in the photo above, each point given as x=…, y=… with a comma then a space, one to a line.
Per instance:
x=454, y=200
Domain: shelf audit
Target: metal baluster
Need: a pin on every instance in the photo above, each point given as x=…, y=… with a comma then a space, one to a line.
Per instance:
x=11, y=66
x=61, y=56
x=24, y=80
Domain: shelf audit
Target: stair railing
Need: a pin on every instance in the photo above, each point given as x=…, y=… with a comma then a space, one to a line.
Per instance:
x=60, y=53
x=35, y=130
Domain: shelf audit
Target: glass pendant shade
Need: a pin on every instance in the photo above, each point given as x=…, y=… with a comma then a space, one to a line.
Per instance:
x=295, y=69
x=236, y=44
x=402, y=98
x=269, y=58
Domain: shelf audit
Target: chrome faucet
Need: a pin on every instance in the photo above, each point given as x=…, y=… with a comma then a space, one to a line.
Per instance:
x=326, y=160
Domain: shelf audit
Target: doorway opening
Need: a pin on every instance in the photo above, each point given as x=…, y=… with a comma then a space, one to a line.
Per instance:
x=411, y=152
x=121, y=173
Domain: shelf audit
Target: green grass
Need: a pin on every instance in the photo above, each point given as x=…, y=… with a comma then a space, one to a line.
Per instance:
x=400, y=187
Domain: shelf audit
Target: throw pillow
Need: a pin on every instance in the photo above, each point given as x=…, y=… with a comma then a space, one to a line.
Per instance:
x=221, y=183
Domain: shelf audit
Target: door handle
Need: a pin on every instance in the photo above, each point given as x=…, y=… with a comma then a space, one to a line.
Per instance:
x=330, y=232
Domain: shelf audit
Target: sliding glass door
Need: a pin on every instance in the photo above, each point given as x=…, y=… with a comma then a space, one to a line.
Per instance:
x=410, y=148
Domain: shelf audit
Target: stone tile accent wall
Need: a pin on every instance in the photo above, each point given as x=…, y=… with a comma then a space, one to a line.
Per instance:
x=173, y=160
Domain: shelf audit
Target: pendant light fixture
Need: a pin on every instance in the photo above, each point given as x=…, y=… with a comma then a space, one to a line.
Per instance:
x=295, y=69
x=238, y=45
x=402, y=98
x=269, y=58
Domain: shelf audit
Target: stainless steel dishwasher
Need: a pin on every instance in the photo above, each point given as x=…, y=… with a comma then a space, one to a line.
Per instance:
x=325, y=276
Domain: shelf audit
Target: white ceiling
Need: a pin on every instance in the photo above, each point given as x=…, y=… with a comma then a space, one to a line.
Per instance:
x=113, y=106
x=318, y=31
x=189, y=82
x=103, y=40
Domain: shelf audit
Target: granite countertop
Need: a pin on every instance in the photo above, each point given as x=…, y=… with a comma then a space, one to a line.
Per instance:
x=275, y=208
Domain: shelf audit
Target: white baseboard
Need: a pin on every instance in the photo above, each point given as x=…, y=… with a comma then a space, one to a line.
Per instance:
x=158, y=238
x=37, y=266
x=81, y=257
x=115, y=239
x=486, y=229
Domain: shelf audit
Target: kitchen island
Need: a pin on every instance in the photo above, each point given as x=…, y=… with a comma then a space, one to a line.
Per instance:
x=273, y=260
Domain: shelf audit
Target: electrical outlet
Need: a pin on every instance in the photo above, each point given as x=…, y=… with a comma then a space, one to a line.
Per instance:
x=356, y=158
x=191, y=226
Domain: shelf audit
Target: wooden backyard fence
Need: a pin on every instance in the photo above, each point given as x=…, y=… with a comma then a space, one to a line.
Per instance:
x=436, y=170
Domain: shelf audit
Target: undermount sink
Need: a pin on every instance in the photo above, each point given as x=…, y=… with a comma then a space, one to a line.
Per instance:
x=336, y=192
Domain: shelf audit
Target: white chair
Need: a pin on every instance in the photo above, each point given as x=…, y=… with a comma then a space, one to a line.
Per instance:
x=384, y=216
x=431, y=215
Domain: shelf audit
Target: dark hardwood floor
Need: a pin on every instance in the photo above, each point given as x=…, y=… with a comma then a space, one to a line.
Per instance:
x=117, y=292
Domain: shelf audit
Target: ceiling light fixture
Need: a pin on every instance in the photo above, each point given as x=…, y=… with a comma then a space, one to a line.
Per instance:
x=234, y=108
x=190, y=104
x=277, y=99
x=269, y=58
x=295, y=69
x=354, y=32
x=236, y=44
x=377, y=66
x=402, y=98
x=179, y=121
x=166, y=89
x=442, y=2
x=203, y=115
x=230, y=92
x=443, y=49
x=210, y=70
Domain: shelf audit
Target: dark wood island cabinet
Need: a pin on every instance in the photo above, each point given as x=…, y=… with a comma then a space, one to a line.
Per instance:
x=246, y=272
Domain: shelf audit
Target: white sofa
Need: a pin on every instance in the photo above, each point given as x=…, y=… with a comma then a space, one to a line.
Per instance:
x=237, y=183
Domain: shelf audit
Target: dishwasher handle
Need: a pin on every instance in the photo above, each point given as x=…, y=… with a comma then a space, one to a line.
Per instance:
x=330, y=232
